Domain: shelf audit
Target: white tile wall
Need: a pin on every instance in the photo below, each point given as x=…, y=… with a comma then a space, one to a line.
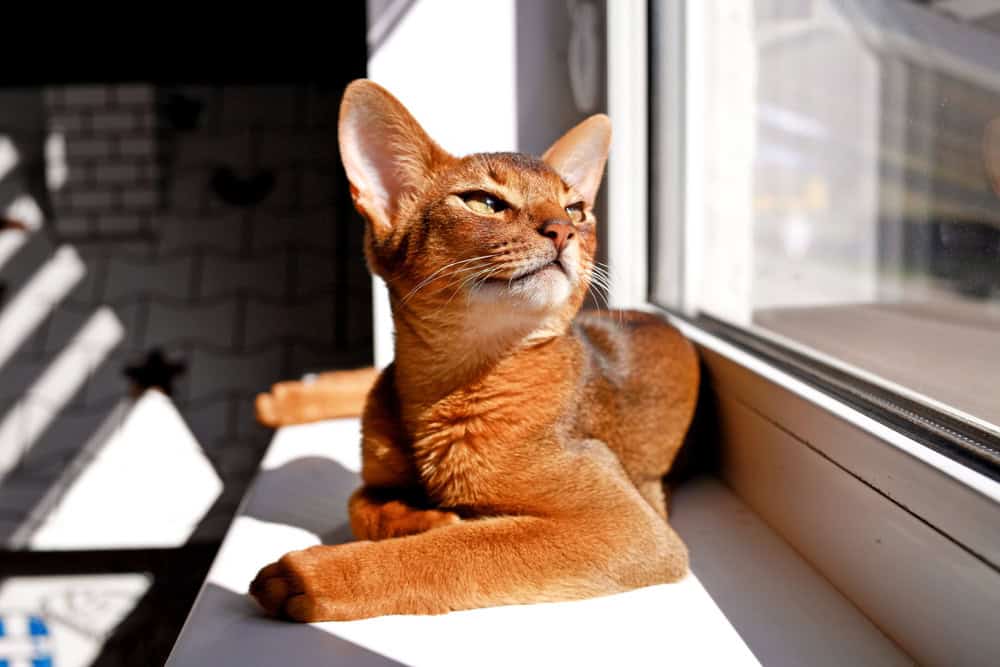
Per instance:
x=246, y=296
x=111, y=156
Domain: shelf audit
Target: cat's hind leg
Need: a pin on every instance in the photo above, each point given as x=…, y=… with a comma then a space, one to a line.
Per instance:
x=657, y=494
x=379, y=515
x=327, y=396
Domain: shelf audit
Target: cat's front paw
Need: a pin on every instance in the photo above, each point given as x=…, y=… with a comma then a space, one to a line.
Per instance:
x=315, y=584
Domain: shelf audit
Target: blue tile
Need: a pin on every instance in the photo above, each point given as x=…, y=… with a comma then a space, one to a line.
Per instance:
x=37, y=627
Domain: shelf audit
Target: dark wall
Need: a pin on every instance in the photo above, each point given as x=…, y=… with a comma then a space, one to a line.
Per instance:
x=204, y=197
x=171, y=45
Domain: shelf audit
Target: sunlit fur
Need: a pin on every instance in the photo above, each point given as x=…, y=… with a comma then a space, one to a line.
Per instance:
x=514, y=451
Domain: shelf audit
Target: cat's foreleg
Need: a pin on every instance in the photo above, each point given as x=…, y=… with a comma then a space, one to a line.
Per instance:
x=478, y=563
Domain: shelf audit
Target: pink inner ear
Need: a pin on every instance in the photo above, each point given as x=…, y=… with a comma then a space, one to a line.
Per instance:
x=370, y=168
x=367, y=167
x=580, y=154
x=385, y=151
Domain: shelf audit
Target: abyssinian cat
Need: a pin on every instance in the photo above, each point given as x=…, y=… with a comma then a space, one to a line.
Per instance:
x=514, y=451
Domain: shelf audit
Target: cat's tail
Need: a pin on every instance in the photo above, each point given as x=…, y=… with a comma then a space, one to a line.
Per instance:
x=332, y=395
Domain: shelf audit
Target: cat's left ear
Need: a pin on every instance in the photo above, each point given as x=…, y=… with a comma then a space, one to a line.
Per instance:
x=387, y=155
x=580, y=154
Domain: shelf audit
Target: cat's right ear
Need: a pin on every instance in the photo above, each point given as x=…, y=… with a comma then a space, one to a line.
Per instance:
x=580, y=154
x=386, y=154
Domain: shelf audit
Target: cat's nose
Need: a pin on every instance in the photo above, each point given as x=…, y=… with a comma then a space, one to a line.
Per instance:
x=560, y=231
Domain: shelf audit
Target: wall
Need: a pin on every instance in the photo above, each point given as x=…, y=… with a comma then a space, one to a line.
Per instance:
x=208, y=222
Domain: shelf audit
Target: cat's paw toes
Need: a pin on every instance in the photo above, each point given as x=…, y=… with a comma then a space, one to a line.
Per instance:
x=306, y=608
x=301, y=587
x=272, y=587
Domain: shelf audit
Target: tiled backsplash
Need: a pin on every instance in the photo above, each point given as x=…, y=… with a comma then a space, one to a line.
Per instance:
x=211, y=222
x=108, y=137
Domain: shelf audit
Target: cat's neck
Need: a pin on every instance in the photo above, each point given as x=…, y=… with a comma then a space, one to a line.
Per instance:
x=436, y=356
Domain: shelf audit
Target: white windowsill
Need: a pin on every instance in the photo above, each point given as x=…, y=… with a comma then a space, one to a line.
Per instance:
x=751, y=598
x=908, y=535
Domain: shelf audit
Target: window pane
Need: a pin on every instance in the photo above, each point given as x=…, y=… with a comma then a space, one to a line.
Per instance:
x=851, y=186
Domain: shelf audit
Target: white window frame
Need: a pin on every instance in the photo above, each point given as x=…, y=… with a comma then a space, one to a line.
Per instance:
x=907, y=534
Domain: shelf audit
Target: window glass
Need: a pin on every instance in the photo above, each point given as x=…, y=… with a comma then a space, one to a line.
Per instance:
x=847, y=192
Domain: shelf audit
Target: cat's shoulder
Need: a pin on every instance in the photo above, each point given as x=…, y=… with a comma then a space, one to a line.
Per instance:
x=631, y=335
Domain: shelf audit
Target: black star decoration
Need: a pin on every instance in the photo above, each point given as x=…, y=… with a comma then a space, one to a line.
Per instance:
x=154, y=372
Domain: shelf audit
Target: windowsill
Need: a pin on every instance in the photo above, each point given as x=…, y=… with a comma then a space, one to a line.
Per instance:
x=946, y=349
x=750, y=598
x=907, y=534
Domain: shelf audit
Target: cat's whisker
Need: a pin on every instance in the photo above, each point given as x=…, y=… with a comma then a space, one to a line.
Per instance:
x=595, y=291
x=601, y=279
x=601, y=268
x=431, y=277
x=459, y=284
x=477, y=270
x=479, y=282
x=597, y=304
x=456, y=278
x=480, y=271
x=458, y=272
x=602, y=293
x=601, y=276
x=488, y=276
x=441, y=273
x=480, y=278
x=602, y=272
x=589, y=274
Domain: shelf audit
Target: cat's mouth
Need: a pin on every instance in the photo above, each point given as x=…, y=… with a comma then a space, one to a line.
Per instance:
x=555, y=265
x=539, y=285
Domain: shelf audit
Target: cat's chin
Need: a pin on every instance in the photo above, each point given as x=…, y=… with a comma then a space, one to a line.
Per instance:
x=543, y=290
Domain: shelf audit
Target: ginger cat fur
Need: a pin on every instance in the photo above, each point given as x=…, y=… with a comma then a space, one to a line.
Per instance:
x=514, y=451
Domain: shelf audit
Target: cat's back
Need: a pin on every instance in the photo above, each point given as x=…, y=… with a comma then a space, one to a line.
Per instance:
x=630, y=346
x=640, y=386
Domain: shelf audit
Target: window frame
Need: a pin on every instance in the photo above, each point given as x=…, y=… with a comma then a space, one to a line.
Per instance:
x=890, y=522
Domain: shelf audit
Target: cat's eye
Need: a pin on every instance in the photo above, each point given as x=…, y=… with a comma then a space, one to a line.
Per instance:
x=576, y=212
x=484, y=203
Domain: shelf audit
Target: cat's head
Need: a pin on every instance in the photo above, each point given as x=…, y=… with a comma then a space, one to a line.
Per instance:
x=504, y=232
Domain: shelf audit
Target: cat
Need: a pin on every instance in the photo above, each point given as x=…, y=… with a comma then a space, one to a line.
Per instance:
x=514, y=451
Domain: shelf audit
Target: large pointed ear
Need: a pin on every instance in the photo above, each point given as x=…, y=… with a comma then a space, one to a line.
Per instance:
x=386, y=154
x=579, y=155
